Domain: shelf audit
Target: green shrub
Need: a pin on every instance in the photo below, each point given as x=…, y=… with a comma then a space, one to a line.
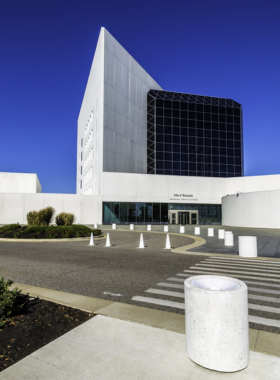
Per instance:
x=9, y=300
x=9, y=228
x=64, y=219
x=46, y=216
x=33, y=218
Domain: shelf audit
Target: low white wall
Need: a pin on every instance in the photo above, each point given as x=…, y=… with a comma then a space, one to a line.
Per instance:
x=86, y=208
x=19, y=183
x=256, y=209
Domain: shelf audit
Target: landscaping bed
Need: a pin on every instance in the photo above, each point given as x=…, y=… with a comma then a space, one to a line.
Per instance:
x=38, y=323
x=16, y=231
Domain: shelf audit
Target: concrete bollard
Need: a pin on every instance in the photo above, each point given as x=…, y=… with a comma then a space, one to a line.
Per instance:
x=95, y=225
x=108, y=242
x=221, y=234
x=141, y=244
x=131, y=226
x=197, y=230
x=167, y=244
x=91, y=242
x=247, y=246
x=149, y=227
x=210, y=231
x=217, y=329
x=182, y=229
x=229, y=238
x=165, y=228
x=114, y=226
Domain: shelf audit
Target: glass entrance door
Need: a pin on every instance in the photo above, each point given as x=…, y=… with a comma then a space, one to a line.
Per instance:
x=183, y=217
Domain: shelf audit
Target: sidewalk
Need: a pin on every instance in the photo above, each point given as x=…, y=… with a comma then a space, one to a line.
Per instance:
x=127, y=342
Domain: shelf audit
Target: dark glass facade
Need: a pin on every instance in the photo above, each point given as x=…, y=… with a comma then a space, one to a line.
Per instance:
x=156, y=213
x=192, y=135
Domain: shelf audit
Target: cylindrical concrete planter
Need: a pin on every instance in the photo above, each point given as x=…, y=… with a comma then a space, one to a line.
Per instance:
x=182, y=229
x=221, y=234
x=210, y=231
x=217, y=329
x=95, y=225
x=131, y=226
x=114, y=226
x=229, y=238
x=165, y=228
x=197, y=230
x=149, y=227
x=247, y=246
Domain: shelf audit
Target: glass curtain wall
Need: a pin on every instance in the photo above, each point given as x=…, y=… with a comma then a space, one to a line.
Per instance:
x=157, y=213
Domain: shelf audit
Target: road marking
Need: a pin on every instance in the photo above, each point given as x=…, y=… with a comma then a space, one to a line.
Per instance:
x=264, y=298
x=156, y=301
x=264, y=308
x=245, y=260
x=237, y=271
x=247, y=263
x=178, y=279
x=260, y=290
x=171, y=285
x=197, y=272
x=264, y=321
x=165, y=293
x=242, y=267
x=112, y=294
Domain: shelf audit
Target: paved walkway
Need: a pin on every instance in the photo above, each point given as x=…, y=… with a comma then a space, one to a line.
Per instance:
x=131, y=342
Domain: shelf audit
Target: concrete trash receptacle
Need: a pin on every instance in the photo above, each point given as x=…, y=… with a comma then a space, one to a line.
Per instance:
x=217, y=328
x=149, y=227
x=114, y=226
x=221, y=234
x=131, y=226
x=229, y=238
x=210, y=231
x=197, y=230
x=165, y=228
x=182, y=229
x=247, y=246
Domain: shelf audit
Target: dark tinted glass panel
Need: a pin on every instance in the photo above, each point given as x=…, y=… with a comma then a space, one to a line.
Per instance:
x=156, y=212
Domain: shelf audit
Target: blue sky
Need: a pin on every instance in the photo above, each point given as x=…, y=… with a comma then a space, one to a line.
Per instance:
x=217, y=48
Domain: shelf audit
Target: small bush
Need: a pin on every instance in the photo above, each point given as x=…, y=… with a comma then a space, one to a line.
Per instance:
x=10, y=228
x=33, y=218
x=9, y=304
x=64, y=219
x=46, y=216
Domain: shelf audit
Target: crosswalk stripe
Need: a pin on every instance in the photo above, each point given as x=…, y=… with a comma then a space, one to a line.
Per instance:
x=156, y=301
x=181, y=305
x=242, y=267
x=245, y=260
x=198, y=272
x=170, y=285
x=165, y=293
x=237, y=271
x=264, y=321
x=269, y=309
x=177, y=279
x=264, y=298
x=260, y=290
x=245, y=263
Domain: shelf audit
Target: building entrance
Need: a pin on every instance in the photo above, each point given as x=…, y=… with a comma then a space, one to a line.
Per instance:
x=183, y=217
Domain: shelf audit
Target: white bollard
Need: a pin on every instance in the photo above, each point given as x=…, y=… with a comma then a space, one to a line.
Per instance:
x=167, y=244
x=131, y=226
x=217, y=329
x=108, y=242
x=197, y=230
x=95, y=225
x=91, y=242
x=210, y=231
x=247, y=246
x=221, y=234
x=141, y=244
x=114, y=226
x=165, y=228
x=149, y=227
x=182, y=229
x=229, y=238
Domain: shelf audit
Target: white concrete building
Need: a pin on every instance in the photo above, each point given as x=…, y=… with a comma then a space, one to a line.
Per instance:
x=191, y=146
